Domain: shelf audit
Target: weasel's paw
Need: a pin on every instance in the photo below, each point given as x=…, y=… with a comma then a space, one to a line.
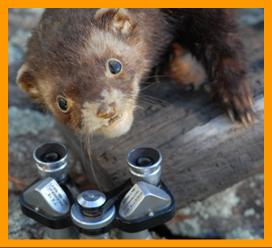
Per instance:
x=185, y=69
x=238, y=104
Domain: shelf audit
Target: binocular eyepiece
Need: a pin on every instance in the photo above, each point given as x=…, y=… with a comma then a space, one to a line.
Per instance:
x=51, y=160
x=145, y=165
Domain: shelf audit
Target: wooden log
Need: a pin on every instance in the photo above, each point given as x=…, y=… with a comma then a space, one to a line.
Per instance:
x=203, y=151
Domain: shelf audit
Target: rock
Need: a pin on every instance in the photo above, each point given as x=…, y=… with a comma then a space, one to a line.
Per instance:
x=234, y=213
x=249, y=212
x=27, y=129
x=31, y=122
x=250, y=16
x=20, y=226
x=14, y=53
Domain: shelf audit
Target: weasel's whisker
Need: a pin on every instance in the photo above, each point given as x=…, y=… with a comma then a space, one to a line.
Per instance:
x=147, y=99
x=156, y=76
x=154, y=99
x=86, y=146
x=149, y=84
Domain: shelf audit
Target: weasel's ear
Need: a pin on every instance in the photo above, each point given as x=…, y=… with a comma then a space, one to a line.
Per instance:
x=26, y=81
x=118, y=20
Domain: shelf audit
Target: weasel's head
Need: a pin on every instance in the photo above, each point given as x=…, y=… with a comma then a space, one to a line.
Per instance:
x=85, y=67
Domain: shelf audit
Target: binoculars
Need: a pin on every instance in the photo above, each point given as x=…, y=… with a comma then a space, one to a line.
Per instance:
x=128, y=211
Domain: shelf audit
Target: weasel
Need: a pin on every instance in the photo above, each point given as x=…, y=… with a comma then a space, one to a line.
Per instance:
x=86, y=65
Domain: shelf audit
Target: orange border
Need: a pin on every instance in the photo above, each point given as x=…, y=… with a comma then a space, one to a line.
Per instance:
x=5, y=4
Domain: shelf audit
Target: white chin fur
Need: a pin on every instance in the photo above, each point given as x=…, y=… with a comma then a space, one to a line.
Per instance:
x=119, y=127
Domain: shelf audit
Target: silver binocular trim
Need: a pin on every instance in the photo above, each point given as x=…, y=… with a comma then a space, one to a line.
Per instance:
x=51, y=160
x=84, y=212
x=145, y=165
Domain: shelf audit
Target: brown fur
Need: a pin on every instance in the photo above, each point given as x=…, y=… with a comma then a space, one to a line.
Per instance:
x=185, y=69
x=68, y=53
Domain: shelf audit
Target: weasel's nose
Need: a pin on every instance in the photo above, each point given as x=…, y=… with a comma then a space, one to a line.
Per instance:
x=106, y=111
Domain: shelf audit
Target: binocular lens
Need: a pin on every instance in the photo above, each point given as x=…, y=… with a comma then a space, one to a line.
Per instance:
x=51, y=157
x=144, y=161
x=144, y=156
x=50, y=152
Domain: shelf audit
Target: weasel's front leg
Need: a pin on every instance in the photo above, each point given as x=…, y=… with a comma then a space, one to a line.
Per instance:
x=228, y=78
x=222, y=67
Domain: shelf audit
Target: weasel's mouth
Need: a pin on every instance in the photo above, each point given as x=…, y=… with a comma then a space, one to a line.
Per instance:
x=117, y=125
x=114, y=119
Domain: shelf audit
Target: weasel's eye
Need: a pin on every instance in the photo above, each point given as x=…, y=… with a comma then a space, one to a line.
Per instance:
x=114, y=66
x=62, y=104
